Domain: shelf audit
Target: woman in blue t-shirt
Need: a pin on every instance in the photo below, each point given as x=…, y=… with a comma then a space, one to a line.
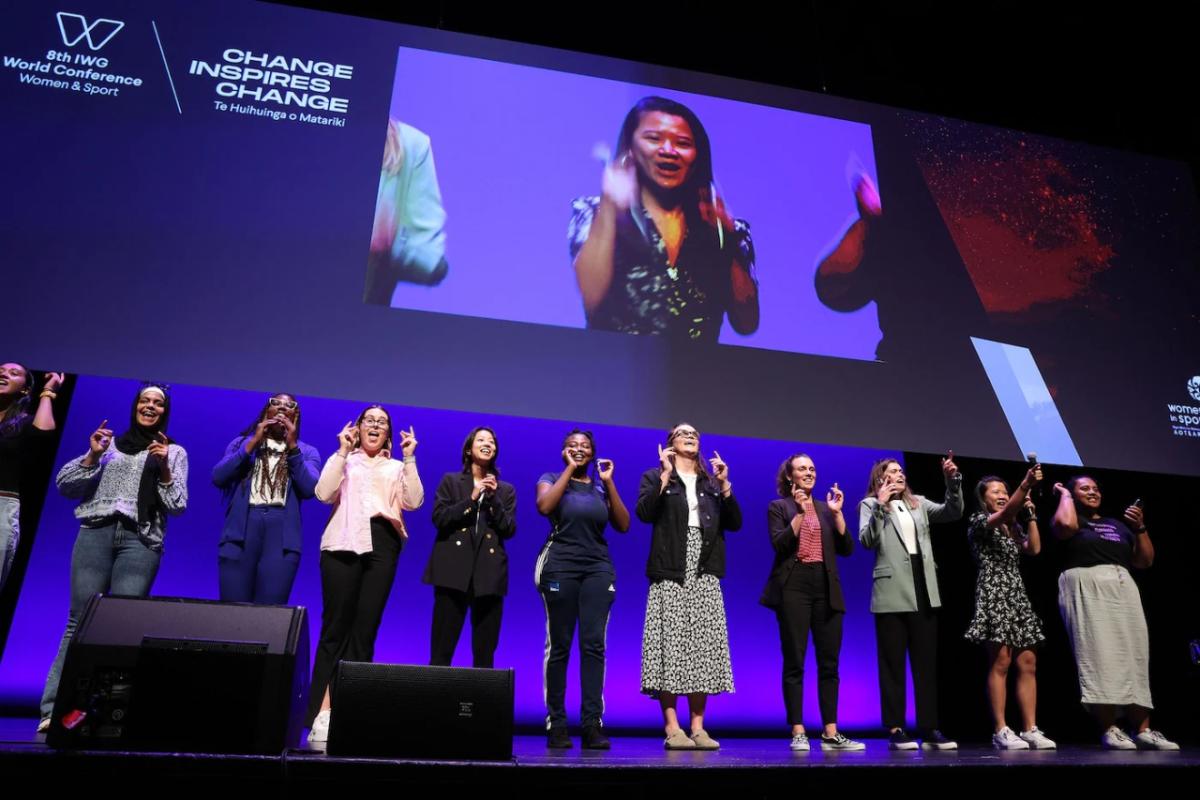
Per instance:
x=1102, y=610
x=575, y=575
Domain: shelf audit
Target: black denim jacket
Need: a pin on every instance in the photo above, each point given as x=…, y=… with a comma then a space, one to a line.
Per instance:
x=667, y=511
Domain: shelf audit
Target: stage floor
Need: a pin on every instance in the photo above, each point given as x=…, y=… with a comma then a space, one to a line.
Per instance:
x=635, y=763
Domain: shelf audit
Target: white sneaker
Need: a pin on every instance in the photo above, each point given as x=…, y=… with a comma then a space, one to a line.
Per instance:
x=1005, y=739
x=1116, y=739
x=1153, y=740
x=1038, y=740
x=800, y=742
x=319, y=732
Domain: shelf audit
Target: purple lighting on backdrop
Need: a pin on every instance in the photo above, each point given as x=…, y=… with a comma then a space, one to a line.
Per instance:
x=204, y=421
x=513, y=147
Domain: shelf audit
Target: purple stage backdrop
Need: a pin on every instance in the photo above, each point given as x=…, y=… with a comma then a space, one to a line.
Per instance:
x=514, y=146
x=204, y=421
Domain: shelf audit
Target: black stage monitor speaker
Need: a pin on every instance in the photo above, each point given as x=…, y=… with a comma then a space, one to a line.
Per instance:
x=172, y=674
x=403, y=711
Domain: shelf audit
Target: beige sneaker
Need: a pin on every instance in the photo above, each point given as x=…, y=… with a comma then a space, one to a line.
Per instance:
x=679, y=741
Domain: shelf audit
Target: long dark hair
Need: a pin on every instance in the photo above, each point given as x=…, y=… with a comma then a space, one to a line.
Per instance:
x=698, y=185
x=266, y=409
x=272, y=481
x=981, y=489
x=16, y=415
x=783, y=478
x=466, y=450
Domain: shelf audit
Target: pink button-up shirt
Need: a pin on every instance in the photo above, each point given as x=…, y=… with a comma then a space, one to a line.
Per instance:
x=360, y=487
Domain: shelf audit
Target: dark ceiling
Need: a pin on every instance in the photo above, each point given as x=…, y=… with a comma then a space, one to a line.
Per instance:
x=1118, y=78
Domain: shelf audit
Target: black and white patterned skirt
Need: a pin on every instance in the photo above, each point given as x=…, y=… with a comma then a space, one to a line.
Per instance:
x=685, y=643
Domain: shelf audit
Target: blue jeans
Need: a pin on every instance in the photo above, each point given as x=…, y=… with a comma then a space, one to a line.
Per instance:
x=10, y=534
x=109, y=558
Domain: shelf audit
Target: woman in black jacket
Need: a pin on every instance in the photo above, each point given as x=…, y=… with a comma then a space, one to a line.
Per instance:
x=805, y=591
x=685, y=644
x=475, y=513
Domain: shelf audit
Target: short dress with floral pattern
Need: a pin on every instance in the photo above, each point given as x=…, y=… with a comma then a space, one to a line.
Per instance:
x=1003, y=613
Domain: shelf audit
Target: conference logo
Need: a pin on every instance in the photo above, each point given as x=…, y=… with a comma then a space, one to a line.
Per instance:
x=97, y=33
x=1185, y=419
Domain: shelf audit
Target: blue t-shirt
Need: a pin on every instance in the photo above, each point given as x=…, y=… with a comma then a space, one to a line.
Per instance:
x=577, y=540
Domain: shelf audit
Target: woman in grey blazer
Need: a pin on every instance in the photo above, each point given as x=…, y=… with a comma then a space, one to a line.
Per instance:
x=894, y=523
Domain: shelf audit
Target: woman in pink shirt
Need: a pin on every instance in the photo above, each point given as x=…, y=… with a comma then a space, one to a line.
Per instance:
x=368, y=490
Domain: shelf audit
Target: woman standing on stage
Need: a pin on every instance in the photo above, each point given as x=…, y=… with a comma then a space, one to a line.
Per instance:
x=127, y=486
x=475, y=514
x=894, y=523
x=1000, y=530
x=685, y=642
x=1102, y=610
x=264, y=475
x=577, y=581
x=805, y=591
x=20, y=433
x=369, y=492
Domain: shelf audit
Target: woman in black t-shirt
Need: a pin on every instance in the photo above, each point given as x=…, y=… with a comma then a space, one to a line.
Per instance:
x=1102, y=610
x=576, y=579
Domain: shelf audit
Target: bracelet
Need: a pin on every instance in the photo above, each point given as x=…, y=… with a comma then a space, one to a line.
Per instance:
x=49, y=393
x=1140, y=530
x=410, y=459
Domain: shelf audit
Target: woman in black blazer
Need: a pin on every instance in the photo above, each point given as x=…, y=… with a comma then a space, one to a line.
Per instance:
x=475, y=513
x=806, y=593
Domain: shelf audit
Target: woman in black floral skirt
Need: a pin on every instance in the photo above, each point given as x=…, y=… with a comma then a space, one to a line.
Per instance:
x=1003, y=527
x=685, y=643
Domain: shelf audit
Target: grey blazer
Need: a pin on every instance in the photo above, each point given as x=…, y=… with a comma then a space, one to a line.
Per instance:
x=892, y=588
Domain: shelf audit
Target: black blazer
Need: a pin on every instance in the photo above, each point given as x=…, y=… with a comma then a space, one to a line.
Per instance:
x=470, y=536
x=667, y=511
x=785, y=545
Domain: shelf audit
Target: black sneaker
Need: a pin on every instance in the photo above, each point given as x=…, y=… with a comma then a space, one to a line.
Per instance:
x=901, y=741
x=840, y=742
x=557, y=738
x=936, y=740
x=593, y=738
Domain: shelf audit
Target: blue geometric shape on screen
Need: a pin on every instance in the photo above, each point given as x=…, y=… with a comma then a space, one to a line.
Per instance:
x=1026, y=401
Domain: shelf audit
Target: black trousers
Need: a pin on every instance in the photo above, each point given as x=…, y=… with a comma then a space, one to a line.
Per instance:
x=585, y=600
x=354, y=593
x=911, y=633
x=450, y=608
x=804, y=609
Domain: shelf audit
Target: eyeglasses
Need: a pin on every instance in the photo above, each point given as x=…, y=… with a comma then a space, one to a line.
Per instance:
x=290, y=405
x=686, y=435
x=370, y=422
